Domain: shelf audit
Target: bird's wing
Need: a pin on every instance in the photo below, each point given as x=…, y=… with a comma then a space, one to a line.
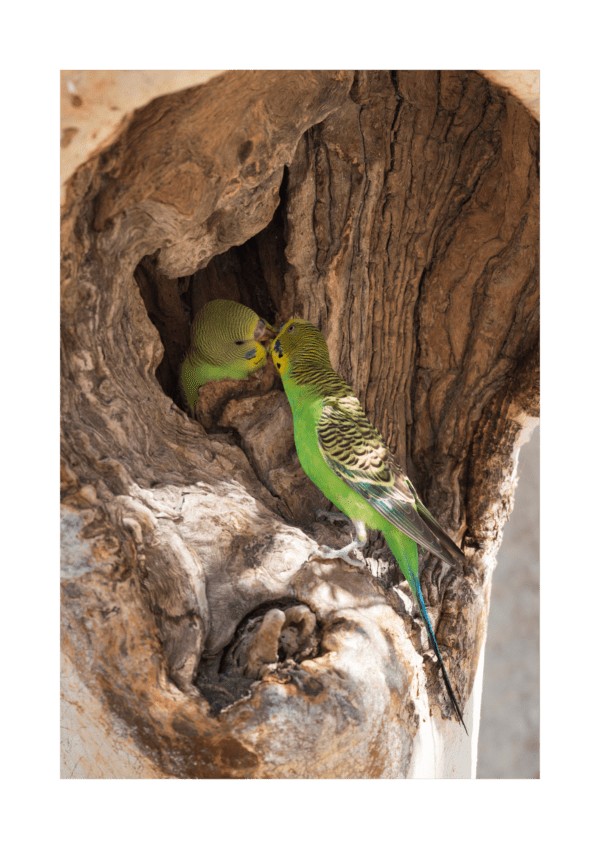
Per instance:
x=356, y=452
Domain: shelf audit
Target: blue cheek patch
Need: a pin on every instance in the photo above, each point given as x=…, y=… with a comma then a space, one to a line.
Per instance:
x=277, y=346
x=249, y=355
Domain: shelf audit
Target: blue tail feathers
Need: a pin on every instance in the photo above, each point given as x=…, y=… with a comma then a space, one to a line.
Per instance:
x=406, y=553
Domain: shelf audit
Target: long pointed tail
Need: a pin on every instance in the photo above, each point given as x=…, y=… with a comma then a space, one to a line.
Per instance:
x=402, y=548
x=434, y=645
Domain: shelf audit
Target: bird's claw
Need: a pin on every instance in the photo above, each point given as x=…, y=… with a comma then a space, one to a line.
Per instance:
x=326, y=553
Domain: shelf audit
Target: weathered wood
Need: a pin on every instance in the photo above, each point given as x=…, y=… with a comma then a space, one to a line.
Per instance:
x=398, y=211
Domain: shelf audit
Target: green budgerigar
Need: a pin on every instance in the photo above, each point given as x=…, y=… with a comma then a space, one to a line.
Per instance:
x=226, y=340
x=346, y=457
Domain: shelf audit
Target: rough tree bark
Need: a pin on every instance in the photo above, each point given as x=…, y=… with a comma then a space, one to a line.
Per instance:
x=398, y=211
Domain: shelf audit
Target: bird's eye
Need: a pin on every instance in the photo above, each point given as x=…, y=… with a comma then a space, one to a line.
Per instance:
x=239, y=342
x=291, y=328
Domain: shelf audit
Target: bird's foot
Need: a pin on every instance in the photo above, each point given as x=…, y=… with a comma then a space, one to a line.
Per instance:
x=329, y=516
x=326, y=553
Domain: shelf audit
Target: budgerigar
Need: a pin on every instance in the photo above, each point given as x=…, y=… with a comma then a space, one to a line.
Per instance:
x=225, y=343
x=345, y=456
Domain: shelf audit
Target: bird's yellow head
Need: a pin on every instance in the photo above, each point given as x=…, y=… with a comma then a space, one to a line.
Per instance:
x=297, y=343
x=228, y=334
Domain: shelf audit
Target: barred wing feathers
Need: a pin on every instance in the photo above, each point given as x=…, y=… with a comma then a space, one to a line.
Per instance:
x=356, y=452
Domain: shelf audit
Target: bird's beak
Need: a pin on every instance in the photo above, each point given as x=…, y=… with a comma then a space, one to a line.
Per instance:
x=264, y=331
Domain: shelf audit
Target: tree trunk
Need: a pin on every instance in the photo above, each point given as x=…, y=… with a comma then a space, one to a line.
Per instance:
x=397, y=211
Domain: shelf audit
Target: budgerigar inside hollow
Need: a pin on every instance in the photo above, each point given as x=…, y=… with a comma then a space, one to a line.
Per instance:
x=225, y=342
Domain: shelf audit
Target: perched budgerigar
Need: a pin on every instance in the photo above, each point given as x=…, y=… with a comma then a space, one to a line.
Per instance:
x=343, y=454
x=225, y=343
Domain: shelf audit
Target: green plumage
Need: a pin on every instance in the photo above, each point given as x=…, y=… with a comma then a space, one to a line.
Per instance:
x=225, y=342
x=345, y=456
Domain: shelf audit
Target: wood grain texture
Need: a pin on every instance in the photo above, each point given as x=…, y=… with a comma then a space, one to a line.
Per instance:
x=399, y=212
